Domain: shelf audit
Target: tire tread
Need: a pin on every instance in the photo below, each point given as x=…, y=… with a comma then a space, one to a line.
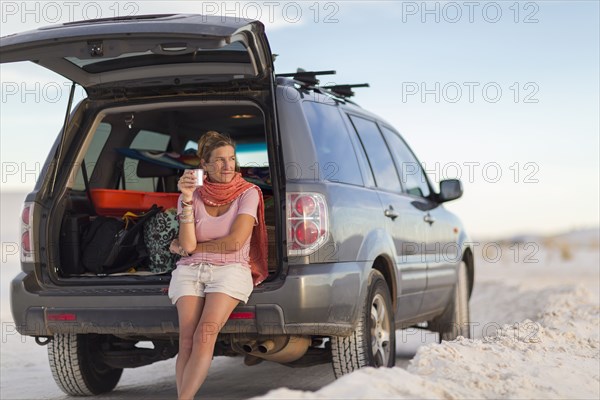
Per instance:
x=350, y=353
x=64, y=364
x=67, y=355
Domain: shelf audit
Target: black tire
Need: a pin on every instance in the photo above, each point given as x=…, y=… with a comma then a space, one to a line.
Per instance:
x=77, y=367
x=373, y=342
x=454, y=322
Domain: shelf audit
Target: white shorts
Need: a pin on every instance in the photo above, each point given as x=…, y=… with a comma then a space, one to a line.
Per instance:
x=234, y=280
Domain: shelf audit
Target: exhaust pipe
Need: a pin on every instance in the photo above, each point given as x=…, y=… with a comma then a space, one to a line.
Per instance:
x=281, y=348
x=249, y=347
x=293, y=348
x=266, y=346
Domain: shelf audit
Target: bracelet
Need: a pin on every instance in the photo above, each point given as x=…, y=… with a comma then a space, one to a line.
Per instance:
x=186, y=221
x=182, y=252
x=186, y=204
x=185, y=217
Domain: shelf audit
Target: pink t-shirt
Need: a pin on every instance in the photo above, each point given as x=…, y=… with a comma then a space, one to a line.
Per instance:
x=210, y=228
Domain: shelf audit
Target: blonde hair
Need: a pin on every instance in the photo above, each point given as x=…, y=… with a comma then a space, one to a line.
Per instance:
x=212, y=140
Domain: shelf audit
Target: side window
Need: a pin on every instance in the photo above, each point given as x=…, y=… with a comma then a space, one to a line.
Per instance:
x=411, y=173
x=378, y=154
x=144, y=140
x=93, y=153
x=335, y=152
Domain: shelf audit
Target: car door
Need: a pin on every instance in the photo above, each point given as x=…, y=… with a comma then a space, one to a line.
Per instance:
x=443, y=254
x=438, y=250
x=404, y=220
x=149, y=51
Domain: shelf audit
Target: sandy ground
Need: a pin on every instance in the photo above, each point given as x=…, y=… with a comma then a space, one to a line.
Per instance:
x=535, y=316
x=536, y=335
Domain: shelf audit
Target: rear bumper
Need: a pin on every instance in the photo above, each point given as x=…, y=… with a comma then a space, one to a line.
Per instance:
x=320, y=299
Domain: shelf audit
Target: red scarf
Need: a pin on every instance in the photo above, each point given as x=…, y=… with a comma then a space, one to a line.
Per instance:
x=218, y=194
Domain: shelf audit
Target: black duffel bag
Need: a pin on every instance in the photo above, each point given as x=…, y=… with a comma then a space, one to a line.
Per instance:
x=111, y=245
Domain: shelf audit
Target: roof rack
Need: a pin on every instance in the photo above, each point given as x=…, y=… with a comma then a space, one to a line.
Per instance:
x=344, y=91
x=308, y=78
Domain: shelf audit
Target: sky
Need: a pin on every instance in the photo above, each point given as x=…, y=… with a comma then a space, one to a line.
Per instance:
x=503, y=95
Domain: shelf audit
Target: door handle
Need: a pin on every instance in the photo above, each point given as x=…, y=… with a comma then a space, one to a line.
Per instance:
x=390, y=213
x=429, y=219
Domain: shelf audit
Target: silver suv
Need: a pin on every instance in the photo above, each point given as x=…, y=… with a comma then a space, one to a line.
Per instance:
x=359, y=243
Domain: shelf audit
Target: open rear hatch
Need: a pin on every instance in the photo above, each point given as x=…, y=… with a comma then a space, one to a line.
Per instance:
x=137, y=56
x=147, y=51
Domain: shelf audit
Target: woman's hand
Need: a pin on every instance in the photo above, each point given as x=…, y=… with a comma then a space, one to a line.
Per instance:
x=174, y=246
x=187, y=184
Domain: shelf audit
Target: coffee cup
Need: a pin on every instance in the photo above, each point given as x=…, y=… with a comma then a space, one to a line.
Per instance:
x=199, y=177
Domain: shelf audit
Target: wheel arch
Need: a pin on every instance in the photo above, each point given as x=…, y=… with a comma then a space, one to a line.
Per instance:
x=378, y=246
x=385, y=266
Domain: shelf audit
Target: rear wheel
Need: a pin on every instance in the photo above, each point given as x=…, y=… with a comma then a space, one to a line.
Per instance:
x=76, y=365
x=373, y=343
x=454, y=322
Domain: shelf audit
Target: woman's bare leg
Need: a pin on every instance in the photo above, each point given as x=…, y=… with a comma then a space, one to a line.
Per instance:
x=217, y=308
x=189, y=310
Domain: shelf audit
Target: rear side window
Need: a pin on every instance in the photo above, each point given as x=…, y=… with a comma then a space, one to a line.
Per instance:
x=411, y=173
x=246, y=154
x=93, y=153
x=337, y=159
x=144, y=140
x=378, y=154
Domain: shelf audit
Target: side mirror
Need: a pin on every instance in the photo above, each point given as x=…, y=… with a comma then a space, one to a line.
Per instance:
x=450, y=189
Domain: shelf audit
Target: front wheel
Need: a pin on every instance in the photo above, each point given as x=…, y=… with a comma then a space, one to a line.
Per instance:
x=373, y=342
x=77, y=367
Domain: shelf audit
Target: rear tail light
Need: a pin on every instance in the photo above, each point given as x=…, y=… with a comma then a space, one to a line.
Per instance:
x=61, y=317
x=27, y=242
x=307, y=223
x=242, y=315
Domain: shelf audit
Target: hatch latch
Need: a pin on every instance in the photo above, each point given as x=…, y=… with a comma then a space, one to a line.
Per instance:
x=96, y=49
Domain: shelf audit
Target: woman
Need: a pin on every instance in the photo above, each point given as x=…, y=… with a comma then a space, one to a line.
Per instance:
x=218, y=224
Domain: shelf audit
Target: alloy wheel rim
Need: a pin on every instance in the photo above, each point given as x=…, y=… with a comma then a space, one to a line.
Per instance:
x=380, y=331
